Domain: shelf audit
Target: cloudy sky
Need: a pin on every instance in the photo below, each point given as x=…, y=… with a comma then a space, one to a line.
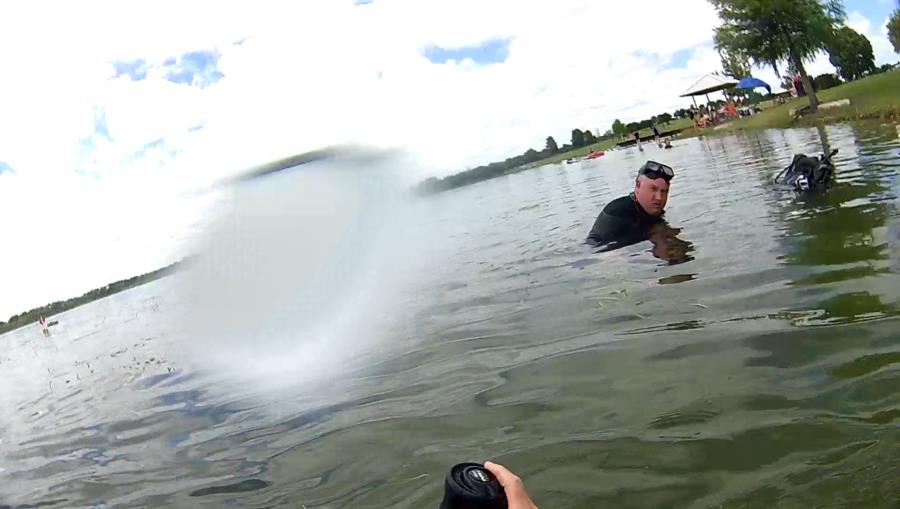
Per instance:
x=116, y=116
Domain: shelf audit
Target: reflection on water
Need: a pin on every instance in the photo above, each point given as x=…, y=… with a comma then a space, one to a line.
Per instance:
x=667, y=246
x=745, y=357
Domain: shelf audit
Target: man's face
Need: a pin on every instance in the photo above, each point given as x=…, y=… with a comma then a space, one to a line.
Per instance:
x=652, y=194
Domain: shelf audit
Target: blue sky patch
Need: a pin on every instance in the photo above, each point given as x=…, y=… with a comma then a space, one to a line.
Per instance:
x=681, y=57
x=196, y=68
x=100, y=128
x=196, y=127
x=4, y=167
x=494, y=51
x=88, y=144
x=85, y=173
x=157, y=144
x=875, y=11
x=134, y=69
x=362, y=2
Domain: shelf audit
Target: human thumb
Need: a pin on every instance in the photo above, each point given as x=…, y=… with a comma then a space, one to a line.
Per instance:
x=513, y=486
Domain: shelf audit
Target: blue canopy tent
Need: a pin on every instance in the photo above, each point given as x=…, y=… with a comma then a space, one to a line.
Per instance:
x=750, y=83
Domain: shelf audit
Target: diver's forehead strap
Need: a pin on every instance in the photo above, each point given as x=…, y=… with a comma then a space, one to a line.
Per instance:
x=655, y=170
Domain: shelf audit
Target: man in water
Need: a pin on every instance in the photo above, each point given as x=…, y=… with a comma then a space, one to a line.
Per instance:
x=629, y=219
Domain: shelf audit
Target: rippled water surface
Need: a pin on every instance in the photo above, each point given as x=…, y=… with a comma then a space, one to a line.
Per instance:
x=753, y=360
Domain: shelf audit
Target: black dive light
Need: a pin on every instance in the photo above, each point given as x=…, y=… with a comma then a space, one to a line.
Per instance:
x=471, y=486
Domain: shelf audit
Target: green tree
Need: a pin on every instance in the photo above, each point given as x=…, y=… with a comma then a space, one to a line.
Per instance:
x=851, y=54
x=768, y=31
x=823, y=81
x=589, y=138
x=883, y=68
x=893, y=28
x=577, y=138
x=551, y=147
x=734, y=63
x=618, y=128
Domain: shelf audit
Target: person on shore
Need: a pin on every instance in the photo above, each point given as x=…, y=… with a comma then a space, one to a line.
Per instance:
x=44, y=328
x=731, y=109
x=637, y=140
x=629, y=219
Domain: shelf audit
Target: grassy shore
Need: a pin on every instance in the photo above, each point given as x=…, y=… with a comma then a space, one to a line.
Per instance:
x=607, y=144
x=578, y=152
x=873, y=97
x=31, y=316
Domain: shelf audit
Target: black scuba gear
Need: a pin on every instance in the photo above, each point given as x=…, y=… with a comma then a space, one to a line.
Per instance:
x=808, y=174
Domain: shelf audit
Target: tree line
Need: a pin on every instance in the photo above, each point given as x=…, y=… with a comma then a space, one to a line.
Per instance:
x=31, y=316
x=579, y=138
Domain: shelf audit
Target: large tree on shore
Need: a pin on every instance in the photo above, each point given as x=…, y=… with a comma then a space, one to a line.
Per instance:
x=551, y=147
x=577, y=138
x=893, y=27
x=768, y=31
x=851, y=54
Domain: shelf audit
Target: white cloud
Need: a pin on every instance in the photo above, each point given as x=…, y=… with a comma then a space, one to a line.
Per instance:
x=307, y=74
x=858, y=22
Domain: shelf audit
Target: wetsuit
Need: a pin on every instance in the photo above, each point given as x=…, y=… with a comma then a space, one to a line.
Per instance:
x=622, y=222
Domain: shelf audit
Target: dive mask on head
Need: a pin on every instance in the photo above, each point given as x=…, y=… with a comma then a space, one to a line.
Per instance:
x=656, y=170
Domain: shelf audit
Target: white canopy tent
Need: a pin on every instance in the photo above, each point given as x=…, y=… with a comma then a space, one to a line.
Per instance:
x=707, y=84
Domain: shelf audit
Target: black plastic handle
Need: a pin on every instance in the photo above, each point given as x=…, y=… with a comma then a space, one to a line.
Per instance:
x=471, y=486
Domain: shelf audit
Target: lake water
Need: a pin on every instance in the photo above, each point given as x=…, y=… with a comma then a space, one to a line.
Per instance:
x=751, y=361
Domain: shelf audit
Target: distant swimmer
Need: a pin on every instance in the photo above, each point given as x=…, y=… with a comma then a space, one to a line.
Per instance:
x=629, y=219
x=43, y=323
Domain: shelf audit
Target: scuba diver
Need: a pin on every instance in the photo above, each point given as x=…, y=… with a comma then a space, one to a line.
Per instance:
x=808, y=174
x=639, y=217
x=628, y=220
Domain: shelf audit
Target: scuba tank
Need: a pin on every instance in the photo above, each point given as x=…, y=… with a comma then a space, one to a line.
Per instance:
x=808, y=174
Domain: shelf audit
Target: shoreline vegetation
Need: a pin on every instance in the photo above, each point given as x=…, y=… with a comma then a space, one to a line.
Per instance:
x=31, y=316
x=872, y=97
x=582, y=143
